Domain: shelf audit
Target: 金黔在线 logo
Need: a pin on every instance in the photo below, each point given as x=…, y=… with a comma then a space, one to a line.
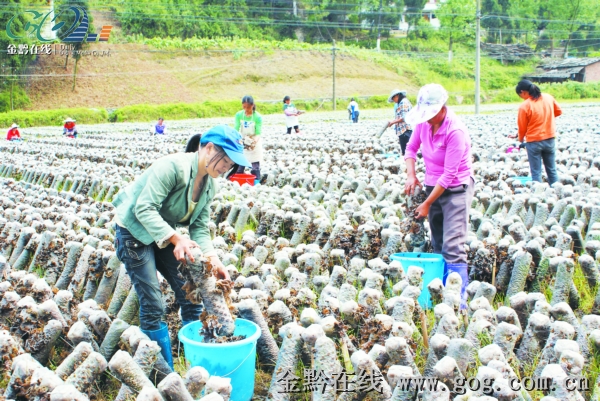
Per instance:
x=77, y=32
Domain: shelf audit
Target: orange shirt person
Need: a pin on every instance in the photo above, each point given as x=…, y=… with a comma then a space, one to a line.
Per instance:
x=536, y=121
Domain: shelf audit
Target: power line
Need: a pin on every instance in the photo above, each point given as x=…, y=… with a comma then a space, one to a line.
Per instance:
x=266, y=10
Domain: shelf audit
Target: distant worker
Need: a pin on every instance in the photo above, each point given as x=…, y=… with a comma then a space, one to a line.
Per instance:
x=249, y=124
x=353, y=110
x=401, y=107
x=446, y=148
x=537, y=127
x=291, y=115
x=70, y=129
x=14, y=134
x=160, y=128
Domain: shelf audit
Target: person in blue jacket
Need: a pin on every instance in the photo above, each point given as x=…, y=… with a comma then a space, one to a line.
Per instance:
x=160, y=128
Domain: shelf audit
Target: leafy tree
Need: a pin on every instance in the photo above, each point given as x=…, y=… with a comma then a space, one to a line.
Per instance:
x=576, y=14
x=456, y=21
x=68, y=17
x=414, y=9
x=13, y=65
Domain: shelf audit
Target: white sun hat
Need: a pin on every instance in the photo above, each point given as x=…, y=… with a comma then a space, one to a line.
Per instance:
x=394, y=93
x=430, y=100
x=14, y=125
x=70, y=120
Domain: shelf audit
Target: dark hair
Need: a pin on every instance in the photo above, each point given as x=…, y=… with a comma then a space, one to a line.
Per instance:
x=286, y=98
x=160, y=118
x=528, y=86
x=400, y=96
x=250, y=100
x=351, y=99
x=193, y=145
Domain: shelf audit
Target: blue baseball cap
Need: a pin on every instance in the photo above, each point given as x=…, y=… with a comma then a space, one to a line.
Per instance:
x=228, y=139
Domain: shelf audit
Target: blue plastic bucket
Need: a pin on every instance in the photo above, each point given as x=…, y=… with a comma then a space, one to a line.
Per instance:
x=233, y=360
x=394, y=155
x=432, y=263
x=522, y=180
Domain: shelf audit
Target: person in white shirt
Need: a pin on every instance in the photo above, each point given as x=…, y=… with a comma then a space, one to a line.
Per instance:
x=353, y=110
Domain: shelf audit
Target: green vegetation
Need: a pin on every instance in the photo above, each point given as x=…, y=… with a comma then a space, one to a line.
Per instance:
x=566, y=91
x=505, y=21
x=180, y=111
x=39, y=270
x=12, y=96
x=242, y=25
x=53, y=117
x=586, y=293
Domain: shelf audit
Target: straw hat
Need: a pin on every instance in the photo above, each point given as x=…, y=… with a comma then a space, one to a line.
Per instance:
x=394, y=93
x=70, y=120
x=14, y=126
x=430, y=100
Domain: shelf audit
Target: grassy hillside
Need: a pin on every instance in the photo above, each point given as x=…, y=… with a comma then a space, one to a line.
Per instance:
x=159, y=71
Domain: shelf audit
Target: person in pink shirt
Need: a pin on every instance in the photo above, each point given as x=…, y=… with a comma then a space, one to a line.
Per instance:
x=446, y=148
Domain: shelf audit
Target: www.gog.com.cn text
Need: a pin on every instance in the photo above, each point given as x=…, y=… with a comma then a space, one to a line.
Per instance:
x=364, y=382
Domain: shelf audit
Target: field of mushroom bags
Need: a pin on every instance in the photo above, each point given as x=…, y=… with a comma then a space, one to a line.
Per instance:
x=309, y=253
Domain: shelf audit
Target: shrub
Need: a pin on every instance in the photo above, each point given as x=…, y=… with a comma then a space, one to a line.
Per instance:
x=53, y=117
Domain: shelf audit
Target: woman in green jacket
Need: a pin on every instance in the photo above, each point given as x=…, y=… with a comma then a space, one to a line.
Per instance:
x=175, y=191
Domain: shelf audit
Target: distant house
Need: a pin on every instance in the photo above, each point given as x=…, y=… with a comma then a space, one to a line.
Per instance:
x=571, y=69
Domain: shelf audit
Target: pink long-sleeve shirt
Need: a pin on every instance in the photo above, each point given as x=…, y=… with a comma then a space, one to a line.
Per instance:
x=447, y=154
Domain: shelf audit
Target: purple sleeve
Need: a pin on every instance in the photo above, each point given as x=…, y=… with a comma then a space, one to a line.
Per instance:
x=413, y=145
x=455, y=151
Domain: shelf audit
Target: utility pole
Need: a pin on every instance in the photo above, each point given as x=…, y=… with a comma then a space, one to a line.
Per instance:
x=379, y=26
x=477, y=56
x=333, y=49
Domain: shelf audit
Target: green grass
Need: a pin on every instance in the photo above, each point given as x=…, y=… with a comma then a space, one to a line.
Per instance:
x=250, y=225
x=500, y=300
x=39, y=270
x=53, y=117
x=4, y=380
x=592, y=370
x=587, y=294
x=422, y=352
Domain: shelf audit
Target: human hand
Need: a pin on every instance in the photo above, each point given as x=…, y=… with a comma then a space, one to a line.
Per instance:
x=422, y=211
x=390, y=123
x=183, y=247
x=219, y=269
x=410, y=185
x=514, y=136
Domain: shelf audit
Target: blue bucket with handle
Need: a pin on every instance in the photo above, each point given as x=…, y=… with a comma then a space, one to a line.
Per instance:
x=432, y=263
x=234, y=360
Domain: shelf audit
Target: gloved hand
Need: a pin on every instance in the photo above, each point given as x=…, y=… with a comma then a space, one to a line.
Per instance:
x=522, y=145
